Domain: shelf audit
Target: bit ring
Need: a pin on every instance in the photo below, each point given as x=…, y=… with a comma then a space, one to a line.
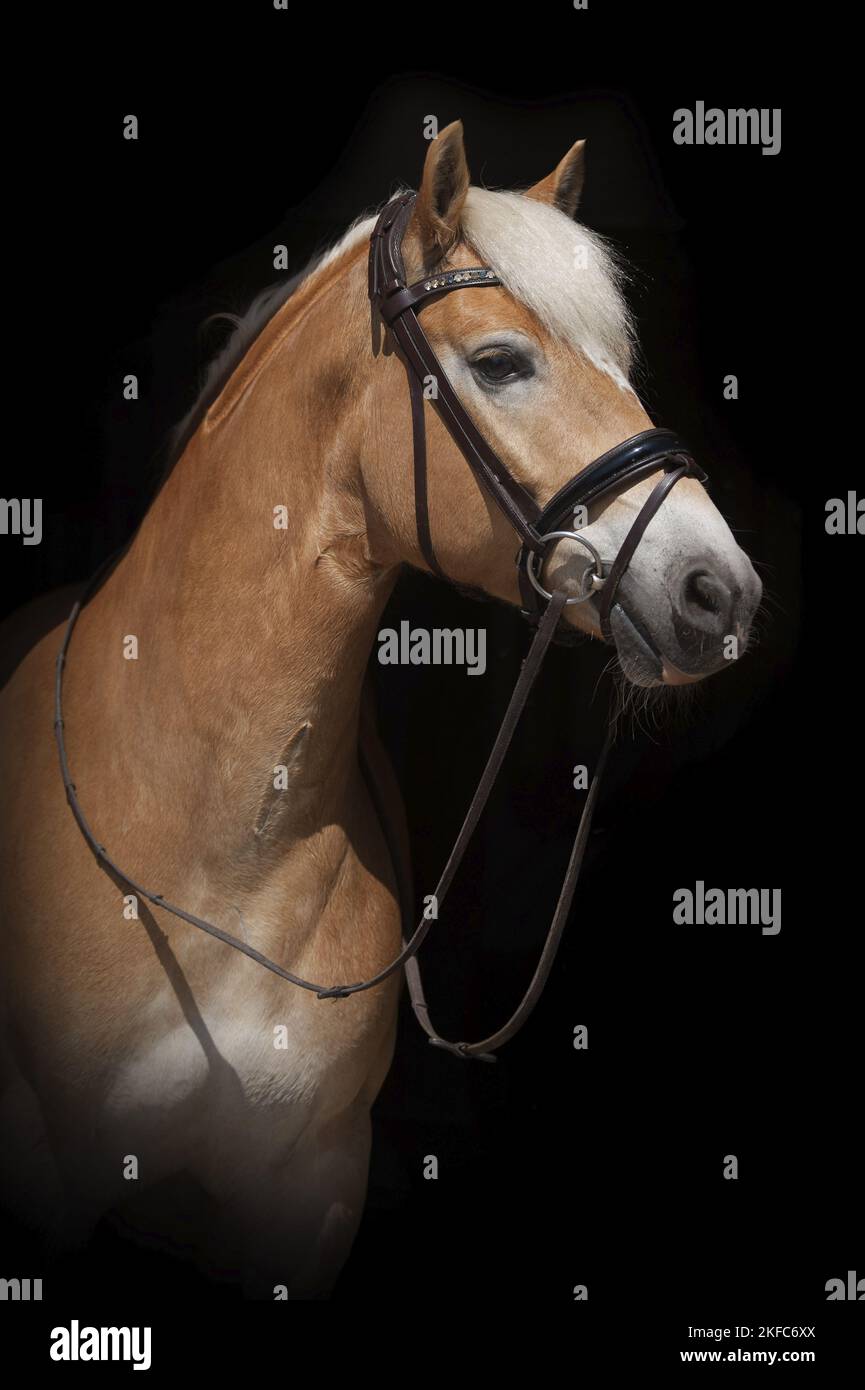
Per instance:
x=595, y=577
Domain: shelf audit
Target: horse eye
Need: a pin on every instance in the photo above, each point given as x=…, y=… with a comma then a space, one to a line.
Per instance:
x=497, y=365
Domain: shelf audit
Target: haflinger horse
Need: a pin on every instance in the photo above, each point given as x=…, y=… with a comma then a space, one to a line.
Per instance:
x=134, y=1048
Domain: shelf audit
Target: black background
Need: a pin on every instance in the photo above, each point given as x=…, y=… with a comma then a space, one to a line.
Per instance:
x=557, y=1167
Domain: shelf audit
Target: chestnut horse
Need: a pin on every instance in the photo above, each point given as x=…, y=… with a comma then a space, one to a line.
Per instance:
x=232, y=639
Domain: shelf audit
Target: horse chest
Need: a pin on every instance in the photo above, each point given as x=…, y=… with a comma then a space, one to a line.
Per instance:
x=246, y=1061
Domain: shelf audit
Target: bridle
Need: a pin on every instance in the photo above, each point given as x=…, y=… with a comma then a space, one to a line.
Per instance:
x=397, y=305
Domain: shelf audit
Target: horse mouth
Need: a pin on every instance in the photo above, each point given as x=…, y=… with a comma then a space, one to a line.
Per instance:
x=641, y=661
x=639, y=658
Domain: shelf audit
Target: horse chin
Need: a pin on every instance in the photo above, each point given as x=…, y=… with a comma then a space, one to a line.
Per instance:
x=641, y=661
x=639, y=658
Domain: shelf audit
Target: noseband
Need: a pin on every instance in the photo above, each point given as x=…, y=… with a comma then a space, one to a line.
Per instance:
x=398, y=305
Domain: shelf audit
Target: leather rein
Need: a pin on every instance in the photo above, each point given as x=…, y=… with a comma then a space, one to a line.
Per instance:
x=397, y=305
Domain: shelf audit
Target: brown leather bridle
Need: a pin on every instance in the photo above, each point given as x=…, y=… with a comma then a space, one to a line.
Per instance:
x=397, y=305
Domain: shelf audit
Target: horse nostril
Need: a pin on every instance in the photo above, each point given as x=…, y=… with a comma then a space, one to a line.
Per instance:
x=702, y=609
x=706, y=592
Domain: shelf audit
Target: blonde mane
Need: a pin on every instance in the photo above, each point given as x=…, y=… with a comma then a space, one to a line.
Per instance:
x=566, y=275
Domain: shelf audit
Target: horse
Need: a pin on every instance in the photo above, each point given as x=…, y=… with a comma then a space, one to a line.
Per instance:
x=215, y=716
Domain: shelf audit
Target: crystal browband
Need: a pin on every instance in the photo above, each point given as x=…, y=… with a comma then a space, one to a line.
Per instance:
x=459, y=277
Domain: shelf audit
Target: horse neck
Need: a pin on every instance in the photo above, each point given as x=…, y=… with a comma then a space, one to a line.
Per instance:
x=253, y=639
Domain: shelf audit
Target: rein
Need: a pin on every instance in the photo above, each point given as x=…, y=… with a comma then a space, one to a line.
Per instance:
x=398, y=305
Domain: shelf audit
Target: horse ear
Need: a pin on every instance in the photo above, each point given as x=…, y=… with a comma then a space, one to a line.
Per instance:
x=562, y=188
x=442, y=193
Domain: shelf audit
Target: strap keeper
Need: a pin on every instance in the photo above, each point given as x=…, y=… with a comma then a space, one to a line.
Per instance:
x=461, y=1049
